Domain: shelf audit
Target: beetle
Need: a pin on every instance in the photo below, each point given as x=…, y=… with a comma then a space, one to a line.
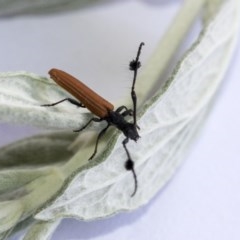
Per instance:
x=103, y=109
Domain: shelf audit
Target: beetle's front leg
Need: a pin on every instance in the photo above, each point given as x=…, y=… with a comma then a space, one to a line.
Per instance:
x=127, y=112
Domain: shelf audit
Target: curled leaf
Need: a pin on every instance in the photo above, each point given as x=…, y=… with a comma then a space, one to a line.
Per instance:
x=168, y=123
x=41, y=230
x=21, y=97
x=10, y=214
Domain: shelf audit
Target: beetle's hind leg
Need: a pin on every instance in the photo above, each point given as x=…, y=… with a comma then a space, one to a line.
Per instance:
x=71, y=100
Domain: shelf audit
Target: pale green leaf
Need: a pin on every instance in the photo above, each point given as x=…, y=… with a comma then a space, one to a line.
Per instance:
x=39, y=150
x=41, y=230
x=169, y=120
x=10, y=213
x=168, y=123
x=21, y=97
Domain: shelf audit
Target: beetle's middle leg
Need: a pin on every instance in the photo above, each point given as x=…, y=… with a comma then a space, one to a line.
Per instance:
x=98, y=138
x=91, y=120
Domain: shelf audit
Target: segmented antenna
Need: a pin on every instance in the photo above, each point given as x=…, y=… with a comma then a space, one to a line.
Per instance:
x=133, y=66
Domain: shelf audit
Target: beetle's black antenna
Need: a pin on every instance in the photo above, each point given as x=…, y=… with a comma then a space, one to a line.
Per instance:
x=133, y=66
x=129, y=165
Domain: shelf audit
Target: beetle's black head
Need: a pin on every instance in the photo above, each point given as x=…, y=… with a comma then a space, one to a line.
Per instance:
x=131, y=132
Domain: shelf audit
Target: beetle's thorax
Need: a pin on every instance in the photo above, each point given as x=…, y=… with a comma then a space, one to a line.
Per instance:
x=128, y=129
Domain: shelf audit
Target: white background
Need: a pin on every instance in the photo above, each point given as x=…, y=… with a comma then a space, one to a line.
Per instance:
x=202, y=202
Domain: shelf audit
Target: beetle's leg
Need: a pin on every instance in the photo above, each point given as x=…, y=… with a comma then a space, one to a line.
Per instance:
x=98, y=138
x=71, y=100
x=119, y=109
x=91, y=120
x=127, y=112
x=129, y=165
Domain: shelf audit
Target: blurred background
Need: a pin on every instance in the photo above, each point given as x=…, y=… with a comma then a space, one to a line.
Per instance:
x=95, y=44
